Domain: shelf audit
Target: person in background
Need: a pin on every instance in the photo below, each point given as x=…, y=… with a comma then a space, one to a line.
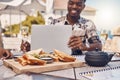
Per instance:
x=84, y=36
x=4, y=53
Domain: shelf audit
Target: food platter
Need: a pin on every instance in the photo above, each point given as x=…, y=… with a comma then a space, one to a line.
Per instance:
x=18, y=68
x=38, y=61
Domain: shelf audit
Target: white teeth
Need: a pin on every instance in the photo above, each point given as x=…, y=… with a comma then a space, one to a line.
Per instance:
x=74, y=11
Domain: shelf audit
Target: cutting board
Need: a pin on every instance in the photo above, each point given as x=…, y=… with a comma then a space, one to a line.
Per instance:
x=18, y=68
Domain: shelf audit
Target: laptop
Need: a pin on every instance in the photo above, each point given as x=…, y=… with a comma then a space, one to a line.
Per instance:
x=50, y=37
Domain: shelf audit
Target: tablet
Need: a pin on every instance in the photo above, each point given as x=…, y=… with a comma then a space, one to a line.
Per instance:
x=50, y=37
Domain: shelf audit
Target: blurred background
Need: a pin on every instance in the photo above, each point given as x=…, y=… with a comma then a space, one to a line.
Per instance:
x=17, y=16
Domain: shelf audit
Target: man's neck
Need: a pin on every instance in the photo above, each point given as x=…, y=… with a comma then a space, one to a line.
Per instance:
x=72, y=20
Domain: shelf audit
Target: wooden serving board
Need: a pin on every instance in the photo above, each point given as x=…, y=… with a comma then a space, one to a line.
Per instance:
x=18, y=68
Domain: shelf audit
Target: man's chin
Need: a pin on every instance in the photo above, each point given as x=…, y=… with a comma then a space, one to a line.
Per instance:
x=74, y=16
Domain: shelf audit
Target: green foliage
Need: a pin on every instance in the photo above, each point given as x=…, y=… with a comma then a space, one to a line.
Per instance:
x=27, y=22
x=15, y=28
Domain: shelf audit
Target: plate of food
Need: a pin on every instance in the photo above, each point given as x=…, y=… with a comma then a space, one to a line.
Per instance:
x=37, y=62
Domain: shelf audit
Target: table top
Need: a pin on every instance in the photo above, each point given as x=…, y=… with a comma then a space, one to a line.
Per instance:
x=108, y=72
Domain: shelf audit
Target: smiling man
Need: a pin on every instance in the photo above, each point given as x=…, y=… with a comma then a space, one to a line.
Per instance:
x=84, y=36
x=75, y=7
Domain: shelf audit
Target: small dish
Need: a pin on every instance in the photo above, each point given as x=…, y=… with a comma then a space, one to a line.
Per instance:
x=47, y=59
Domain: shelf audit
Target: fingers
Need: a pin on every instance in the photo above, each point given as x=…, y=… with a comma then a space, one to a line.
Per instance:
x=4, y=54
x=7, y=54
x=75, y=42
x=83, y=47
x=74, y=39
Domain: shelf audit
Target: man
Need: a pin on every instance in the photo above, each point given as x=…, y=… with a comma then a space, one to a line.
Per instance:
x=84, y=36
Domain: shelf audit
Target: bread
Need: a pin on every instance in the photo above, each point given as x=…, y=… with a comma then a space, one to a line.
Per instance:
x=63, y=56
x=37, y=52
x=33, y=61
x=30, y=60
x=22, y=61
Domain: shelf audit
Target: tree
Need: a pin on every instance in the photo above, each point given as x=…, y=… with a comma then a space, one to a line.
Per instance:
x=15, y=28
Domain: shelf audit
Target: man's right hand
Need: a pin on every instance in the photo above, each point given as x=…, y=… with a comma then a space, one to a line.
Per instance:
x=75, y=42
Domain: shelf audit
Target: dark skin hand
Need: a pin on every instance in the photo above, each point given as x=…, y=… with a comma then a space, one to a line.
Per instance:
x=25, y=46
x=5, y=54
x=75, y=42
